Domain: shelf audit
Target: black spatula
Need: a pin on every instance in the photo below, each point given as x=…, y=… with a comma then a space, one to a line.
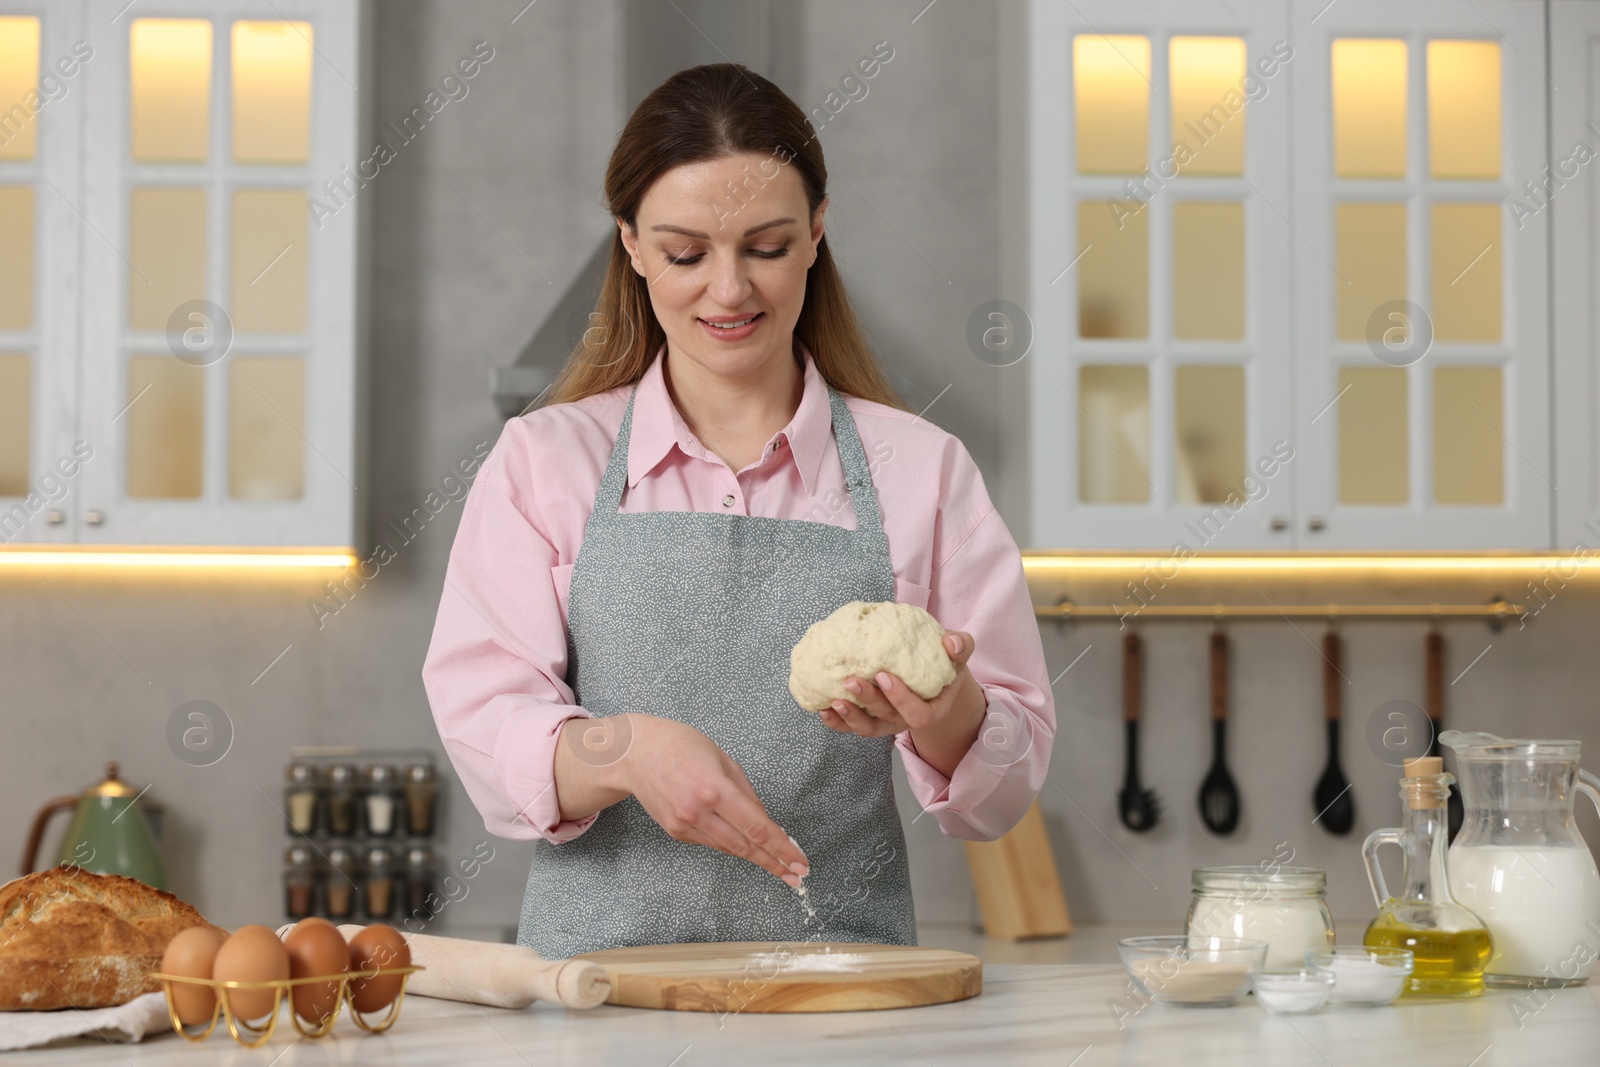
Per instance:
x=1332, y=800
x=1219, y=797
x=1138, y=806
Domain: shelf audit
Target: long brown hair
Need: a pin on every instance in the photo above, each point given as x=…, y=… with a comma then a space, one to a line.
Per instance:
x=703, y=113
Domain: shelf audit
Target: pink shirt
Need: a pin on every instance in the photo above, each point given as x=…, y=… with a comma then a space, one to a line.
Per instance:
x=495, y=671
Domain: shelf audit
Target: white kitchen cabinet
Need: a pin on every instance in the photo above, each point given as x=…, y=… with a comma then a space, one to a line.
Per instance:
x=1415, y=126
x=1200, y=376
x=39, y=270
x=194, y=330
x=1159, y=373
x=1565, y=200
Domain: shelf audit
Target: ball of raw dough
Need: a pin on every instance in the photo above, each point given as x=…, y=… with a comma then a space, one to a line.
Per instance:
x=862, y=639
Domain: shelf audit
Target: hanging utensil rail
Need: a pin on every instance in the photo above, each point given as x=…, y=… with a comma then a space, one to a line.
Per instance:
x=1496, y=611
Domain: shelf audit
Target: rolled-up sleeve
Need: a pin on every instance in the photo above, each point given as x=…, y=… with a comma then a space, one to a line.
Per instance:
x=979, y=586
x=496, y=666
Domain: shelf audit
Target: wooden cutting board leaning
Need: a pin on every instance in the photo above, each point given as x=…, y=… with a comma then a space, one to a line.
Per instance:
x=786, y=976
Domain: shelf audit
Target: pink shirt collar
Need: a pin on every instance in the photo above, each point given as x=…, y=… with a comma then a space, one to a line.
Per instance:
x=657, y=425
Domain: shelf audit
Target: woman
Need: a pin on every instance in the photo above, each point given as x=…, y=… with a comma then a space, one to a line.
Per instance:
x=719, y=465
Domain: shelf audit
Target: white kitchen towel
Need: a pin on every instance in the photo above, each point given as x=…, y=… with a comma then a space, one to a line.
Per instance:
x=130, y=1021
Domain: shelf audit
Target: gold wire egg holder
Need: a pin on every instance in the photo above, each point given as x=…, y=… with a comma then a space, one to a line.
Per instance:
x=251, y=1036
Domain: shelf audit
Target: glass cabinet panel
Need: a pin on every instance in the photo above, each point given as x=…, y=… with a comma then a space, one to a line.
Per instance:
x=1208, y=433
x=1166, y=336
x=1111, y=89
x=272, y=91
x=1113, y=434
x=1369, y=108
x=263, y=81
x=1466, y=272
x=16, y=257
x=1206, y=73
x=16, y=424
x=1468, y=436
x=1464, y=109
x=1374, y=449
x=266, y=421
x=1370, y=252
x=19, y=75
x=269, y=261
x=166, y=427
x=1208, y=270
x=1114, y=275
x=170, y=74
x=167, y=254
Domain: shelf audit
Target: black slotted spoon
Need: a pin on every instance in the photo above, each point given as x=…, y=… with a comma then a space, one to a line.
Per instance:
x=1335, y=807
x=1219, y=797
x=1140, y=808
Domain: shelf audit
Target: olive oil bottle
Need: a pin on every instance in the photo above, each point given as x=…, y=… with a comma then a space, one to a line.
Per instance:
x=1450, y=945
x=1448, y=963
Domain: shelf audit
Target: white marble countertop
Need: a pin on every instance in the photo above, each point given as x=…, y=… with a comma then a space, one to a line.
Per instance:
x=1027, y=1014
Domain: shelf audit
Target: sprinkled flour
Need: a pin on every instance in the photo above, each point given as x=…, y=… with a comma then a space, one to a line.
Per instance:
x=826, y=960
x=800, y=890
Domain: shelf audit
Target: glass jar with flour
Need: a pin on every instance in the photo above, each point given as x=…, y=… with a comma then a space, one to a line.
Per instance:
x=1286, y=907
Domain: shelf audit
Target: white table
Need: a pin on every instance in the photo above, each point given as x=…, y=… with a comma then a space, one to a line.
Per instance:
x=1027, y=1014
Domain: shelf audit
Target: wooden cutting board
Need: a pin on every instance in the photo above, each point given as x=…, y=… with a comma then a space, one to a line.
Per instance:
x=786, y=976
x=1017, y=885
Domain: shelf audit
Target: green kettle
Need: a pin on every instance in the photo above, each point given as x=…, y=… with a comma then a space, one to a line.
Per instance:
x=104, y=837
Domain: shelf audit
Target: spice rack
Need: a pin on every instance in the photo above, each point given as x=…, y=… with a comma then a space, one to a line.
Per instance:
x=362, y=824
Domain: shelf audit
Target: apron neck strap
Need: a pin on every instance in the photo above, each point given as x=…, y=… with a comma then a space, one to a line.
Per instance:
x=857, y=472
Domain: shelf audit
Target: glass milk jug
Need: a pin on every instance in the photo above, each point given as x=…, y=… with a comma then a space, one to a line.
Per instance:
x=1519, y=861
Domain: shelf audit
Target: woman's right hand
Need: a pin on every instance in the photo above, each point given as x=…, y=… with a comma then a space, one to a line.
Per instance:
x=689, y=786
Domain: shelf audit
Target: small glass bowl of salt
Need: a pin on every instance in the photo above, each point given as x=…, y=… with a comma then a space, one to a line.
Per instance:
x=1292, y=992
x=1368, y=977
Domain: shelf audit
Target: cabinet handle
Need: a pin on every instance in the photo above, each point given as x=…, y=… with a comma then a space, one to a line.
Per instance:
x=94, y=518
x=1280, y=522
x=1316, y=524
x=55, y=516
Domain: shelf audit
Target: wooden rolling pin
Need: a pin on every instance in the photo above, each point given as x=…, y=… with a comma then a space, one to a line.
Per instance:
x=495, y=974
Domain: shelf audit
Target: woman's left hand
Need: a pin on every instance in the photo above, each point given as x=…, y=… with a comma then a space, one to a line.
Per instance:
x=885, y=705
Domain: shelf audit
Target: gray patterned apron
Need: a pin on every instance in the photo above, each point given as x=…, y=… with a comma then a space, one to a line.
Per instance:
x=691, y=616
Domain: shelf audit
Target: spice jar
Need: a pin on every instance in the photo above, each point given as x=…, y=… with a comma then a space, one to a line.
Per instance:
x=299, y=881
x=382, y=800
x=421, y=790
x=300, y=798
x=1286, y=907
x=343, y=879
x=380, y=895
x=341, y=810
x=419, y=880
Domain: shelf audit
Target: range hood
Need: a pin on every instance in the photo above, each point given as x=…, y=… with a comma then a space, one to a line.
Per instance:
x=655, y=41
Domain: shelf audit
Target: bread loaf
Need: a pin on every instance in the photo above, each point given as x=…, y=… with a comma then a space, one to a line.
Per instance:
x=73, y=939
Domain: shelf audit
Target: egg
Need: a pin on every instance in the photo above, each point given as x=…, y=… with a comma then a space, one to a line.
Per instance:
x=190, y=954
x=252, y=954
x=378, y=947
x=316, y=948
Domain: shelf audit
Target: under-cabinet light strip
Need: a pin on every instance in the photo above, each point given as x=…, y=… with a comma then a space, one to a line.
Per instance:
x=1156, y=563
x=1032, y=561
x=35, y=558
